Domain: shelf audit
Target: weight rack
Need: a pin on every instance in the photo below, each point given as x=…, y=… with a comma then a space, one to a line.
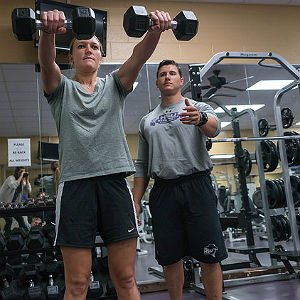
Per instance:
x=196, y=73
x=25, y=211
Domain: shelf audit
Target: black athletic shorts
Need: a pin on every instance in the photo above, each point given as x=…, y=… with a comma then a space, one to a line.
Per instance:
x=100, y=204
x=185, y=220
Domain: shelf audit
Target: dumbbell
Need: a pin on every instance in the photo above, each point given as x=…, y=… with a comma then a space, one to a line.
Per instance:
x=2, y=242
x=35, y=238
x=51, y=271
x=136, y=23
x=95, y=288
x=30, y=203
x=30, y=279
x=50, y=202
x=49, y=232
x=53, y=290
x=24, y=23
x=16, y=238
x=8, y=290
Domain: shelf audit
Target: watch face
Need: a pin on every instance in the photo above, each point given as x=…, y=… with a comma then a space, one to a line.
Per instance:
x=204, y=119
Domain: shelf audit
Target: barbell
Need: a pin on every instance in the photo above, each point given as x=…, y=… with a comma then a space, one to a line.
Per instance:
x=287, y=119
x=246, y=139
x=136, y=23
x=25, y=24
x=270, y=154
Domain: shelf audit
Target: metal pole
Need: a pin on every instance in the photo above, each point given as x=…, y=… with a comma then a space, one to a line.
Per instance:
x=285, y=168
x=262, y=180
x=239, y=155
x=245, y=55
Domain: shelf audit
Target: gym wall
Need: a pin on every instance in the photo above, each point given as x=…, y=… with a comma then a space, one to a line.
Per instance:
x=223, y=27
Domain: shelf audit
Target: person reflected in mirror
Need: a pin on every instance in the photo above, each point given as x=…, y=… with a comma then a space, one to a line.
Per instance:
x=15, y=189
x=172, y=151
x=93, y=193
x=36, y=221
x=49, y=183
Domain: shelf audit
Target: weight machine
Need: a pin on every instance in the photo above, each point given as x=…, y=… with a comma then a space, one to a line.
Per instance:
x=196, y=74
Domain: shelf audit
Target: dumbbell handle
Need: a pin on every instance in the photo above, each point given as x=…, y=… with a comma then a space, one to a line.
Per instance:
x=39, y=24
x=5, y=282
x=173, y=24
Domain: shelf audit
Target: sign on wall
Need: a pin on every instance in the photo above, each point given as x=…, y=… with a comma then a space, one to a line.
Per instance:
x=19, y=152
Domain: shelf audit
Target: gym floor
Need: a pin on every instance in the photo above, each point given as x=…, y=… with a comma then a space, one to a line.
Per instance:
x=152, y=286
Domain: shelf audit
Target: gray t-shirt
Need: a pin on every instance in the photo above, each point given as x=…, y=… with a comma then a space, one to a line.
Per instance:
x=90, y=127
x=168, y=148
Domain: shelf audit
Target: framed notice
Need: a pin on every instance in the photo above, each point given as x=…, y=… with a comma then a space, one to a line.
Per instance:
x=19, y=152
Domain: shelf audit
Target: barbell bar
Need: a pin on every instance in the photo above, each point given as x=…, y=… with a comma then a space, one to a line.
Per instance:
x=246, y=139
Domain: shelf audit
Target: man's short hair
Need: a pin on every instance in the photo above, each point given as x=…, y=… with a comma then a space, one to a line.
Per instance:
x=167, y=62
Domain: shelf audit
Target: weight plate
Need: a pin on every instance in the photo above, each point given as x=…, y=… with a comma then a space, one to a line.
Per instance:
x=292, y=150
x=276, y=228
x=281, y=181
x=269, y=156
x=280, y=199
x=272, y=192
x=295, y=184
x=274, y=156
x=287, y=117
x=257, y=199
x=263, y=127
x=248, y=162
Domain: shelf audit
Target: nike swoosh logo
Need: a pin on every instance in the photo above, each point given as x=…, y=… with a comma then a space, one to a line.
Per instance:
x=130, y=230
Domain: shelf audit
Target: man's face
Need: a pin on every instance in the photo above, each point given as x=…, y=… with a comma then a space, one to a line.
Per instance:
x=86, y=54
x=169, y=81
x=36, y=222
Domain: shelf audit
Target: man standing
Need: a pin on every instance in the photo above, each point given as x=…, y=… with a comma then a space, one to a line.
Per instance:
x=172, y=151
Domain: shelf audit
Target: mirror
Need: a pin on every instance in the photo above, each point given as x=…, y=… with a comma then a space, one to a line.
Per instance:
x=19, y=114
x=19, y=119
x=25, y=112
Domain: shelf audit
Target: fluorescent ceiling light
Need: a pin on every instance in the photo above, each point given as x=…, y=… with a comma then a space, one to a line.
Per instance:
x=224, y=124
x=221, y=156
x=264, y=85
x=297, y=124
x=240, y=108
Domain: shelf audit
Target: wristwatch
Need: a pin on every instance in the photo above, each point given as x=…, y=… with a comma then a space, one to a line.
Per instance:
x=203, y=120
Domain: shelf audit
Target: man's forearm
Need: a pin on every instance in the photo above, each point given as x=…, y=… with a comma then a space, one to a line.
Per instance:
x=140, y=185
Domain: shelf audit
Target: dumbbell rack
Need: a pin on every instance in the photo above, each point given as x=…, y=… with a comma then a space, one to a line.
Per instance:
x=25, y=211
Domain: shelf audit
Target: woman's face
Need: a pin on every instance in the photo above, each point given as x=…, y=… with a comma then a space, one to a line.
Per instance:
x=86, y=55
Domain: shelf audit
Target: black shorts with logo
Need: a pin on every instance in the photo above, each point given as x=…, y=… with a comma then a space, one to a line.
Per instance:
x=100, y=204
x=185, y=220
